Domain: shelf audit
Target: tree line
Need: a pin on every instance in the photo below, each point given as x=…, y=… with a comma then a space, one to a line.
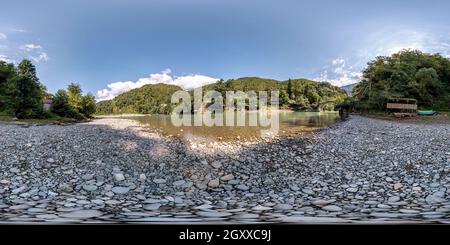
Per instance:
x=296, y=94
x=406, y=74
x=22, y=95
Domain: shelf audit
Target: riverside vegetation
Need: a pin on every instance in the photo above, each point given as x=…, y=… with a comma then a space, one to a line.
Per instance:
x=407, y=74
x=297, y=94
x=22, y=95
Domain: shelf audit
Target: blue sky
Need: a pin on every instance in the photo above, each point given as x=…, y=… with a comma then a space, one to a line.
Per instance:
x=125, y=44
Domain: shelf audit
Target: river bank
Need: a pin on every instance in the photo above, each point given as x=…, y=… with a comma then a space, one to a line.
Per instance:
x=115, y=170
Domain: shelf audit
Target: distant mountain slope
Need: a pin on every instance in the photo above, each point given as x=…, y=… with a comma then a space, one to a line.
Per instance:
x=349, y=88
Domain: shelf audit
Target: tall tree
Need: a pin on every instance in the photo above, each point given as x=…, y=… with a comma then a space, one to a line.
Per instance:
x=289, y=90
x=88, y=105
x=27, y=92
x=74, y=93
x=6, y=73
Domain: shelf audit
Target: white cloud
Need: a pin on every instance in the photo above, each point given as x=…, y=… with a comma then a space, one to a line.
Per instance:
x=42, y=56
x=11, y=51
x=186, y=82
x=339, y=73
x=30, y=47
x=6, y=59
x=18, y=30
x=389, y=41
x=34, y=52
x=382, y=43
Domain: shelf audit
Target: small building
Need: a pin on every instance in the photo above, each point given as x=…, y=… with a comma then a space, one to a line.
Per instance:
x=402, y=107
x=47, y=103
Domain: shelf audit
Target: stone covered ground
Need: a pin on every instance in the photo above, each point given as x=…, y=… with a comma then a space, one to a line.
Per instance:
x=112, y=170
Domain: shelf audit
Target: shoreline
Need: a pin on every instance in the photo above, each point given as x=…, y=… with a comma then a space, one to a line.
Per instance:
x=362, y=170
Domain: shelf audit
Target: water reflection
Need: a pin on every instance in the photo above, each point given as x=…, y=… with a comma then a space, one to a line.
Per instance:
x=290, y=123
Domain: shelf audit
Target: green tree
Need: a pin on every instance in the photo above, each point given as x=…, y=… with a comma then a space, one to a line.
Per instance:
x=408, y=73
x=27, y=92
x=74, y=93
x=289, y=90
x=428, y=81
x=88, y=105
x=61, y=105
x=7, y=72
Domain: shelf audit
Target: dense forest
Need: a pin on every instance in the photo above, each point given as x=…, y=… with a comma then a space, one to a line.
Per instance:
x=148, y=99
x=407, y=74
x=22, y=95
x=297, y=94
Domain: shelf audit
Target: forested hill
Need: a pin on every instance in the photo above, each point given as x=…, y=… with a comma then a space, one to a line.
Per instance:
x=298, y=94
x=148, y=99
x=407, y=74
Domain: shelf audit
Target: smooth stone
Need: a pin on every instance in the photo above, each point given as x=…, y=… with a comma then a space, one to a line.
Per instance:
x=383, y=206
x=311, y=220
x=65, y=188
x=120, y=190
x=47, y=216
x=433, y=199
x=152, y=200
x=397, y=186
x=261, y=208
x=409, y=211
x=87, y=177
x=214, y=183
x=227, y=177
x=142, y=177
x=98, y=202
x=179, y=183
x=165, y=219
x=308, y=191
x=152, y=207
x=393, y=199
x=322, y=202
x=159, y=181
x=245, y=216
x=82, y=214
x=90, y=188
x=294, y=187
x=282, y=206
x=14, y=170
x=19, y=207
x=213, y=214
x=4, y=182
x=332, y=208
x=119, y=177
x=384, y=215
x=216, y=165
x=242, y=187
x=204, y=206
x=112, y=202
